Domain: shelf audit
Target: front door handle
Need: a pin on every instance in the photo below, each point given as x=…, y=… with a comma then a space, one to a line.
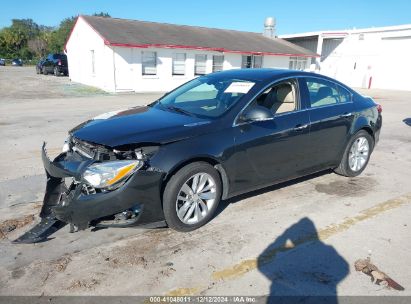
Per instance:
x=300, y=127
x=345, y=115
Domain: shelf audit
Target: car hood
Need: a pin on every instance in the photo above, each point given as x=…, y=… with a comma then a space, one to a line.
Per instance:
x=139, y=125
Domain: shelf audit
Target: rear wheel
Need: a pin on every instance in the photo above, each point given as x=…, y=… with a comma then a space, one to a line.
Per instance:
x=356, y=154
x=191, y=196
x=56, y=71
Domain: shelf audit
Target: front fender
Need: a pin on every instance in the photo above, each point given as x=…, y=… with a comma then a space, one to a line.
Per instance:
x=216, y=147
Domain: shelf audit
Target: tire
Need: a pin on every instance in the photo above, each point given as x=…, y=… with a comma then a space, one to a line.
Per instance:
x=349, y=166
x=37, y=70
x=56, y=72
x=44, y=71
x=175, y=189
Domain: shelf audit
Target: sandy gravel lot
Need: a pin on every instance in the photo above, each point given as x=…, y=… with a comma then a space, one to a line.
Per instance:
x=301, y=237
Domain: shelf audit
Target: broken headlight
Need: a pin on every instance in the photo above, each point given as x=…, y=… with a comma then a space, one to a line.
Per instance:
x=66, y=145
x=110, y=174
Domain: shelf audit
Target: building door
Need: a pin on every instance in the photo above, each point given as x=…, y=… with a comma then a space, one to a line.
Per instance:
x=123, y=69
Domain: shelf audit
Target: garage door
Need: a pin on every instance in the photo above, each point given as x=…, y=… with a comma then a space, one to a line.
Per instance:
x=394, y=65
x=123, y=64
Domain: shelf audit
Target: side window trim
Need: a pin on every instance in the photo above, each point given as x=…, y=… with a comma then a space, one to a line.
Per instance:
x=338, y=87
x=299, y=105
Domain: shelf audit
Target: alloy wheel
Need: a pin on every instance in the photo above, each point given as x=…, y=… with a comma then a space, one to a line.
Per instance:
x=196, y=198
x=358, y=155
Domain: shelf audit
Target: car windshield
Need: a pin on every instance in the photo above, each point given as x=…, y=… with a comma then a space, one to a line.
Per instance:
x=206, y=96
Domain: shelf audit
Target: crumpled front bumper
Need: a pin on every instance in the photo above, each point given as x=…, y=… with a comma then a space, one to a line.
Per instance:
x=74, y=206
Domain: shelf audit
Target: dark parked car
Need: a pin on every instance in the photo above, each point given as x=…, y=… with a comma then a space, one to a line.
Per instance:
x=39, y=66
x=55, y=64
x=2, y=61
x=213, y=138
x=17, y=62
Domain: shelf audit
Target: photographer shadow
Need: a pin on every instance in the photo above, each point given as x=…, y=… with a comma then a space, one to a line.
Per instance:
x=301, y=268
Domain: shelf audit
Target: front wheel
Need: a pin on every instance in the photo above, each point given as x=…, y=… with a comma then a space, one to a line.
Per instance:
x=191, y=196
x=44, y=71
x=356, y=155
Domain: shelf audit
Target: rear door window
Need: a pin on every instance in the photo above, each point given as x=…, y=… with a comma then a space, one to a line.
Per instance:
x=324, y=93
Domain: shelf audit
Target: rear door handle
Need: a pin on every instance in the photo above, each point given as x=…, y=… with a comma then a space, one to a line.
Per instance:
x=300, y=127
x=346, y=115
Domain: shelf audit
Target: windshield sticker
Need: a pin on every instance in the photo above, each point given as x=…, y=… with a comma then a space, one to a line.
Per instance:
x=239, y=87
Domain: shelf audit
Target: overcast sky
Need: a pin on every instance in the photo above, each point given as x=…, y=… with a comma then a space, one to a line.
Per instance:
x=293, y=16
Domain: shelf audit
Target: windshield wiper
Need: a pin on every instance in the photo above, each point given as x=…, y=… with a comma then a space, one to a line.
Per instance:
x=179, y=110
x=153, y=103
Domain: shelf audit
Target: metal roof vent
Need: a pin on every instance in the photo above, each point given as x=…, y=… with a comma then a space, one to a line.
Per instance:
x=269, y=27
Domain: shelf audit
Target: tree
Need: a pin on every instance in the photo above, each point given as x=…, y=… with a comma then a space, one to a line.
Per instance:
x=14, y=39
x=26, y=26
x=59, y=37
x=26, y=39
x=38, y=45
x=101, y=14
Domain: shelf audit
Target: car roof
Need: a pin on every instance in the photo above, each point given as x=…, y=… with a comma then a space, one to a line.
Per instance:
x=259, y=74
x=268, y=75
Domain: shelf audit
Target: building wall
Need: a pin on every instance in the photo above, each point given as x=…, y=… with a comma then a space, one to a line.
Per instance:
x=82, y=42
x=132, y=78
x=119, y=69
x=278, y=62
x=376, y=59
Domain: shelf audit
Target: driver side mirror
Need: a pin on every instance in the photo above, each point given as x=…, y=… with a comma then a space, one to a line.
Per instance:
x=256, y=113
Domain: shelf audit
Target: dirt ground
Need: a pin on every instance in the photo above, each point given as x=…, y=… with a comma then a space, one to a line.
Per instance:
x=297, y=238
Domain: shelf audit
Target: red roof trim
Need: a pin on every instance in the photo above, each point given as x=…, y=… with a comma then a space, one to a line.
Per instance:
x=189, y=47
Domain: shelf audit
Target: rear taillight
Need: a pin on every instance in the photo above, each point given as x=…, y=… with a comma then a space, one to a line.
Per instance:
x=59, y=63
x=379, y=108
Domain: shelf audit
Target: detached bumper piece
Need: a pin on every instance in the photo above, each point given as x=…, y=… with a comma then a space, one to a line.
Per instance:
x=69, y=201
x=41, y=231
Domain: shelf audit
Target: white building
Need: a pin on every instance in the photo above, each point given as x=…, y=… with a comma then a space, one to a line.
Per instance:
x=127, y=55
x=366, y=58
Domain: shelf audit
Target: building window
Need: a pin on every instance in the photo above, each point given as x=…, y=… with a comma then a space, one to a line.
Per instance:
x=298, y=63
x=179, y=64
x=149, y=63
x=200, y=64
x=93, y=62
x=218, y=61
x=251, y=61
x=258, y=61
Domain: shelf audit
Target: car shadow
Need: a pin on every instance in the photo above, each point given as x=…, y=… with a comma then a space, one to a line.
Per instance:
x=301, y=268
x=407, y=121
x=225, y=203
